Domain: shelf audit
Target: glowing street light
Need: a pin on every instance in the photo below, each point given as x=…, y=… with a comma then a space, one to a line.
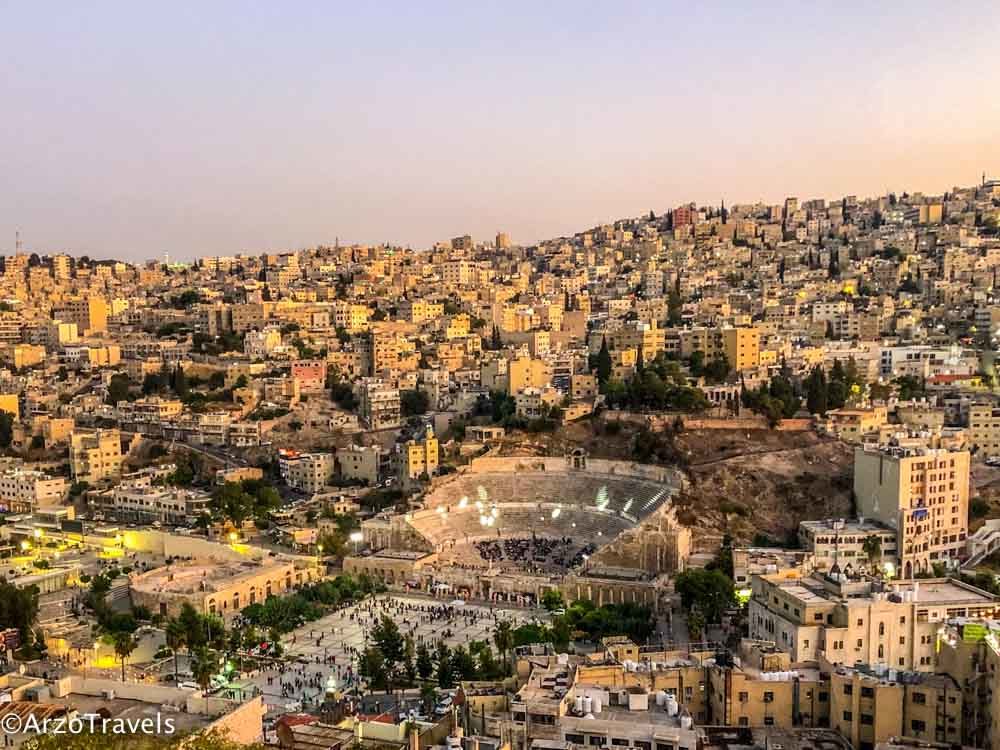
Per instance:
x=25, y=545
x=233, y=537
x=356, y=537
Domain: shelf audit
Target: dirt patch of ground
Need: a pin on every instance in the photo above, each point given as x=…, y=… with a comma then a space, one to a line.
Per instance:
x=765, y=488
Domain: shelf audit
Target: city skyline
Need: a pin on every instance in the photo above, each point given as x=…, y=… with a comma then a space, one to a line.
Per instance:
x=132, y=132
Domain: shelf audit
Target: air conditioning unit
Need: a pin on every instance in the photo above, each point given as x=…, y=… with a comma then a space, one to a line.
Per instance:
x=108, y=694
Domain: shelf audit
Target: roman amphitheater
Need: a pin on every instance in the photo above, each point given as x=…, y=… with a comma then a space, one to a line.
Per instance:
x=509, y=529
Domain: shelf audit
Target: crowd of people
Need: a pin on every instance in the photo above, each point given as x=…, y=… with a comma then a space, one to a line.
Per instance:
x=536, y=554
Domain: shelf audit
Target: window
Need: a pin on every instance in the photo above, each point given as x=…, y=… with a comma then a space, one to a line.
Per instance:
x=619, y=742
x=917, y=725
x=768, y=721
x=575, y=738
x=744, y=697
x=744, y=721
x=848, y=689
x=919, y=698
x=768, y=697
x=867, y=692
x=823, y=696
x=867, y=719
x=848, y=716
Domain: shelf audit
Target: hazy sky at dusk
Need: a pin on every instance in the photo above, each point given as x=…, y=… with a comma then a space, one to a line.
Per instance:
x=130, y=129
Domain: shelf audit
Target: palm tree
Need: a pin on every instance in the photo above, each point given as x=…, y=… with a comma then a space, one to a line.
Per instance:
x=176, y=639
x=204, y=664
x=503, y=637
x=125, y=644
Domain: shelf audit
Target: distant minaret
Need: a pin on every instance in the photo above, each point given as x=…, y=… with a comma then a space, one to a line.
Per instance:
x=17, y=242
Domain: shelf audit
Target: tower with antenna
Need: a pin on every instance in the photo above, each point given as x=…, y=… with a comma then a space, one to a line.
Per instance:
x=18, y=247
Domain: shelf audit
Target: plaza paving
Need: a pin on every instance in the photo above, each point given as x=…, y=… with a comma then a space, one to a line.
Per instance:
x=329, y=647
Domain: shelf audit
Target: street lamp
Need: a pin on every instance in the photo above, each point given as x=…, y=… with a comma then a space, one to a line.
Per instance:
x=233, y=537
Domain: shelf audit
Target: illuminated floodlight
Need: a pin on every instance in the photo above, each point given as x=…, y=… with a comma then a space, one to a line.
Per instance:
x=356, y=536
x=440, y=510
x=556, y=512
x=495, y=512
x=463, y=502
x=483, y=494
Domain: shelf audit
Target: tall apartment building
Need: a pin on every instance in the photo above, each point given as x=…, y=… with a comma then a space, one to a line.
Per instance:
x=741, y=347
x=922, y=493
x=378, y=403
x=90, y=314
x=526, y=372
x=95, y=456
x=61, y=267
x=417, y=457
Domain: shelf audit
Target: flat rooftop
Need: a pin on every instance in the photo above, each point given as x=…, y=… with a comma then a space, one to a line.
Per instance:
x=196, y=577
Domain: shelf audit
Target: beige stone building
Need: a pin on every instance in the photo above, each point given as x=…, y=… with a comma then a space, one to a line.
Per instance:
x=923, y=493
x=862, y=620
x=95, y=456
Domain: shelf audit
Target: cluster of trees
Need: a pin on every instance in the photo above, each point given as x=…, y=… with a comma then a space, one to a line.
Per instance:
x=238, y=501
x=167, y=381
x=413, y=403
x=185, y=299
x=282, y=614
x=775, y=400
x=205, y=639
x=823, y=393
x=705, y=593
x=341, y=391
x=584, y=620
x=18, y=609
x=393, y=660
x=335, y=541
x=716, y=370
x=660, y=385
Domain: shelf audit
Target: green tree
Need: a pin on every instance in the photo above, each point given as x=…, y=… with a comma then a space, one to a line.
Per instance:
x=176, y=639
x=373, y=668
x=425, y=663
x=413, y=402
x=6, y=429
x=444, y=667
x=118, y=388
x=603, y=362
x=711, y=591
x=125, y=644
x=553, y=600
x=204, y=664
x=503, y=639
x=816, y=391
